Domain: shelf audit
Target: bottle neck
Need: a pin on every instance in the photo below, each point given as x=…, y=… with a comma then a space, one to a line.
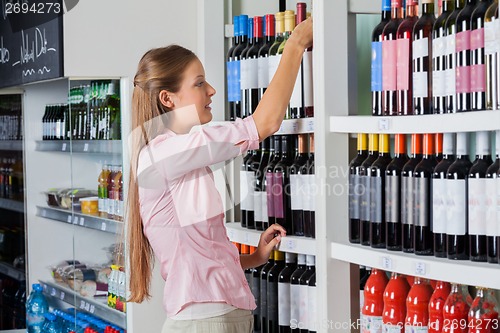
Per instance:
x=411, y=8
x=428, y=8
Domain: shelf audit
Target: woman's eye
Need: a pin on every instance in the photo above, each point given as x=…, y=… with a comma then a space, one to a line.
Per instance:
x=199, y=84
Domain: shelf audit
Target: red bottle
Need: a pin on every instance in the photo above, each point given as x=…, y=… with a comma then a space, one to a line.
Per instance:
x=483, y=313
x=395, y=294
x=417, y=306
x=436, y=304
x=373, y=306
x=455, y=310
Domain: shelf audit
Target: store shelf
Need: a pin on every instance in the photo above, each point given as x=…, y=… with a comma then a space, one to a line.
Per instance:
x=81, y=220
x=296, y=126
x=294, y=244
x=435, y=123
x=97, y=307
x=81, y=146
x=13, y=145
x=364, y=7
x=480, y=274
x=13, y=205
x=12, y=272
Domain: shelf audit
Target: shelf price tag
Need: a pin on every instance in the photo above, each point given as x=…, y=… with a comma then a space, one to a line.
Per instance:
x=82, y=221
x=86, y=147
x=420, y=268
x=310, y=125
x=92, y=308
x=69, y=218
x=384, y=124
x=290, y=244
x=63, y=147
x=44, y=213
x=61, y=295
x=75, y=219
x=103, y=226
x=53, y=292
x=387, y=263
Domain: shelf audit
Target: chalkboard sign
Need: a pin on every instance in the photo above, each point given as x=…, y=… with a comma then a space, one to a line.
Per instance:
x=31, y=41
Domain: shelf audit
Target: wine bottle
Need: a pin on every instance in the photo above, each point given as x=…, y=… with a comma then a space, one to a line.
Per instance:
x=263, y=55
x=289, y=26
x=477, y=197
x=307, y=68
x=260, y=199
x=390, y=58
x=491, y=55
x=422, y=59
x=284, y=302
x=255, y=287
x=264, y=292
x=269, y=183
x=423, y=240
x=439, y=193
x=304, y=312
x=253, y=166
x=274, y=57
x=230, y=75
x=463, y=50
x=404, y=80
x=272, y=291
x=295, y=290
x=297, y=108
x=364, y=173
x=492, y=195
x=311, y=304
x=451, y=57
x=377, y=193
x=246, y=188
x=376, y=62
x=251, y=86
x=246, y=73
x=439, y=58
x=457, y=209
x=281, y=185
x=297, y=186
x=310, y=201
x=478, y=59
x=237, y=57
x=355, y=187
x=393, y=194
x=439, y=147
x=407, y=193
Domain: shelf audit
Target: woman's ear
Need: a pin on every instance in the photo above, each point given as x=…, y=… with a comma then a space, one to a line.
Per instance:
x=166, y=100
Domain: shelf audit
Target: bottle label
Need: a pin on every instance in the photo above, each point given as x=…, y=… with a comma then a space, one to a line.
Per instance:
x=420, y=84
x=489, y=38
x=438, y=83
x=311, y=192
x=376, y=66
x=307, y=67
x=403, y=64
x=229, y=80
x=478, y=78
x=477, y=206
x=244, y=189
x=451, y=65
x=456, y=206
x=463, y=71
x=296, y=98
x=263, y=199
x=365, y=199
x=463, y=41
x=407, y=200
x=284, y=304
x=257, y=205
x=392, y=196
x=354, y=194
x=251, y=189
x=296, y=192
x=273, y=65
x=34, y=321
x=263, y=72
x=421, y=204
x=304, y=310
x=312, y=308
x=491, y=209
x=252, y=73
x=278, y=195
x=477, y=39
x=295, y=302
x=420, y=48
x=244, y=74
x=438, y=73
x=371, y=324
x=376, y=199
x=416, y=329
x=439, y=206
x=463, y=79
x=272, y=304
x=237, y=81
x=389, y=328
x=269, y=194
x=389, y=63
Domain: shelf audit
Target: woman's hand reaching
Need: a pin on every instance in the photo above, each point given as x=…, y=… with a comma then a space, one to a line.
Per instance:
x=268, y=241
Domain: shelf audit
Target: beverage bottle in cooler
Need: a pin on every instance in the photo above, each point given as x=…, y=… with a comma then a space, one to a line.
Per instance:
x=118, y=194
x=102, y=190
x=112, y=103
x=394, y=312
x=417, y=306
x=455, y=309
x=50, y=325
x=436, y=304
x=113, y=286
x=36, y=308
x=373, y=305
x=111, y=194
x=121, y=296
x=483, y=313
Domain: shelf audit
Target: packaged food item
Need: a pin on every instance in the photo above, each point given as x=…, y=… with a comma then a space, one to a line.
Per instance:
x=89, y=205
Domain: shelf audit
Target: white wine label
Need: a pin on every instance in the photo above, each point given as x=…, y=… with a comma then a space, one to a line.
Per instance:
x=284, y=305
x=438, y=83
x=263, y=72
x=257, y=205
x=303, y=309
x=296, y=98
x=456, y=206
x=420, y=48
x=295, y=302
x=439, y=206
x=477, y=206
x=273, y=65
x=244, y=189
x=371, y=324
x=439, y=46
x=491, y=209
x=263, y=199
x=296, y=192
x=421, y=204
x=489, y=38
x=420, y=84
x=307, y=67
x=376, y=199
x=312, y=307
x=252, y=73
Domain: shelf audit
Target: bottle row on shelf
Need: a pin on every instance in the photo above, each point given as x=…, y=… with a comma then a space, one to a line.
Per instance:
x=12, y=178
x=285, y=292
x=432, y=63
x=11, y=117
x=93, y=113
x=277, y=185
x=12, y=303
x=413, y=304
x=110, y=193
x=434, y=202
x=254, y=56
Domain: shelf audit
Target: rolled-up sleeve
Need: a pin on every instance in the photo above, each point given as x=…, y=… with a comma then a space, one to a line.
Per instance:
x=175, y=155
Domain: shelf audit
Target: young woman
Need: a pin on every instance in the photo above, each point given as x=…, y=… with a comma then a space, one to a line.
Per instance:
x=174, y=210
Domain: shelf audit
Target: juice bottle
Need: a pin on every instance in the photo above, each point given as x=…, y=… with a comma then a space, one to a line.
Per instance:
x=373, y=307
x=456, y=308
x=441, y=291
x=110, y=203
x=417, y=306
x=483, y=313
x=118, y=194
x=102, y=191
x=395, y=294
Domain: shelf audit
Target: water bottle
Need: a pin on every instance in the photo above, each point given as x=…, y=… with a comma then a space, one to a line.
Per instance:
x=36, y=308
x=50, y=325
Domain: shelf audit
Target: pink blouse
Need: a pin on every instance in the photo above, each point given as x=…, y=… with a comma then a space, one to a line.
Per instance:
x=183, y=215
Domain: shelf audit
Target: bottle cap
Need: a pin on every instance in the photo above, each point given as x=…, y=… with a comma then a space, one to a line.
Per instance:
x=428, y=142
x=301, y=259
x=310, y=260
x=258, y=27
x=384, y=146
x=280, y=22
x=416, y=143
x=438, y=145
x=290, y=257
x=289, y=20
x=278, y=255
x=302, y=143
x=301, y=12
x=362, y=141
x=270, y=25
x=373, y=142
x=483, y=143
x=243, y=25
x=245, y=249
x=400, y=144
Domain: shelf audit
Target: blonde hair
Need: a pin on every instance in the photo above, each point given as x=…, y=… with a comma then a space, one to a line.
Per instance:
x=159, y=69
